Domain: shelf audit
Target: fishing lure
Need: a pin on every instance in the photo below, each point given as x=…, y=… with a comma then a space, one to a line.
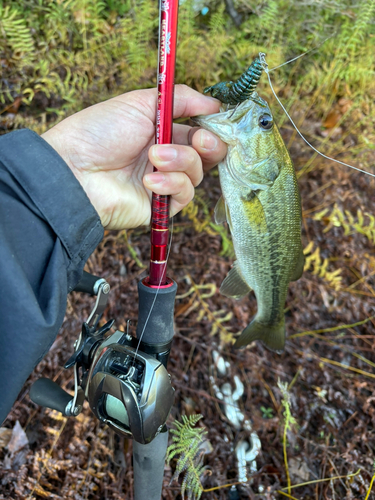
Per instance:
x=236, y=92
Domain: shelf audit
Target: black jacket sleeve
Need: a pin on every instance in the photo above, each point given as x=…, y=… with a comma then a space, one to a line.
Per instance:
x=48, y=229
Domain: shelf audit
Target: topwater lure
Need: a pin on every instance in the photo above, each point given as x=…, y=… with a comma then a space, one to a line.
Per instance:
x=233, y=93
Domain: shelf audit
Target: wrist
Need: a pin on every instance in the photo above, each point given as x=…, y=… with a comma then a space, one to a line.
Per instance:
x=54, y=141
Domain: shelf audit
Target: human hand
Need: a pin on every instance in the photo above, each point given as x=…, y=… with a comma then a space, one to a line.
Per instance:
x=110, y=149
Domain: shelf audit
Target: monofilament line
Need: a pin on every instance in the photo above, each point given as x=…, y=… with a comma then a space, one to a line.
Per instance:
x=303, y=54
x=156, y=294
x=267, y=71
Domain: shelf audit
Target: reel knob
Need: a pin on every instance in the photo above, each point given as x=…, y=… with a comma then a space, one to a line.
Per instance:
x=45, y=392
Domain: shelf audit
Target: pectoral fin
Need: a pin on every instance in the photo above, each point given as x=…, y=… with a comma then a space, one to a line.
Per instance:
x=234, y=284
x=256, y=180
x=220, y=213
x=263, y=175
x=297, y=273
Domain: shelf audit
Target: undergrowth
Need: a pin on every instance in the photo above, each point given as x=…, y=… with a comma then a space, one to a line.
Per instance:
x=186, y=447
x=364, y=223
x=75, y=52
x=289, y=422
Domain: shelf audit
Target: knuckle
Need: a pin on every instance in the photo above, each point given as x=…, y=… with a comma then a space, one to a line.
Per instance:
x=189, y=195
x=192, y=157
x=187, y=190
x=185, y=182
x=199, y=179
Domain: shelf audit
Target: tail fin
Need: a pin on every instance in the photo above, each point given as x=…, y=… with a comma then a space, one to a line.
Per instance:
x=272, y=336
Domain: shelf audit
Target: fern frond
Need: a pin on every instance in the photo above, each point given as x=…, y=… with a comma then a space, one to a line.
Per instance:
x=365, y=223
x=186, y=444
x=16, y=34
x=360, y=28
x=269, y=16
x=319, y=267
x=218, y=20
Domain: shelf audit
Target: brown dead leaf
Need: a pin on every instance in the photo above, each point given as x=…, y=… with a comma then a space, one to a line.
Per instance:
x=18, y=439
x=17, y=448
x=181, y=309
x=332, y=119
x=5, y=435
x=299, y=469
x=15, y=105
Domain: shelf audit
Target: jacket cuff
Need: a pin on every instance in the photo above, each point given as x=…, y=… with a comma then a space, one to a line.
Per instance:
x=56, y=192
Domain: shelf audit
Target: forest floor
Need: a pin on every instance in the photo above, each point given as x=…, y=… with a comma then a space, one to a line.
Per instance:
x=330, y=374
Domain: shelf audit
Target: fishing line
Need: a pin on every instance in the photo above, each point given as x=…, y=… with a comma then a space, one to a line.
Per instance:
x=303, y=54
x=156, y=294
x=265, y=67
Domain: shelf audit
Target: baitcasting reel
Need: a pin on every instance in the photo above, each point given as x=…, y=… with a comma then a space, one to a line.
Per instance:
x=125, y=381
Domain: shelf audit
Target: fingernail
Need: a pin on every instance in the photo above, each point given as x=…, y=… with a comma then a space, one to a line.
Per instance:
x=165, y=153
x=208, y=141
x=155, y=178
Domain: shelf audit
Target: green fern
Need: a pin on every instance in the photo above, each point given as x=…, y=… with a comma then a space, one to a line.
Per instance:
x=186, y=444
x=269, y=23
x=218, y=20
x=353, y=35
x=269, y=17
x=16, y=34
x=350, y=62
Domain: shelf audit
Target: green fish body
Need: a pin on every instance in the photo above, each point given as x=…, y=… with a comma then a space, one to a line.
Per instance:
x=261, y=203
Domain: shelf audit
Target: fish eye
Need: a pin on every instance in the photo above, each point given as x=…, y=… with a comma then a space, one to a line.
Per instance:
x=266, y=122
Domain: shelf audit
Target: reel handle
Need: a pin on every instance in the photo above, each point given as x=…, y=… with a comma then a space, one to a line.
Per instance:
x=89, y=283
x=45, y=392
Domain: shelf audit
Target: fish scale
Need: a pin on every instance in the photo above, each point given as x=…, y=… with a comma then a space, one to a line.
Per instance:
x=261, y=203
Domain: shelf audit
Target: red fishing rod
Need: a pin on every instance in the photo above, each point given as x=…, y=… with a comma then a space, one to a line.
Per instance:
x=164, y=126
x=157, y=292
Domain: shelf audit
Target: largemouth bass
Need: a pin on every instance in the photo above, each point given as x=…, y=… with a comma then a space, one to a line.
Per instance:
x=261, y=203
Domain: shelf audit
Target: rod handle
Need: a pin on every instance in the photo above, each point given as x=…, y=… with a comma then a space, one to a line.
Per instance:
x=155, y=315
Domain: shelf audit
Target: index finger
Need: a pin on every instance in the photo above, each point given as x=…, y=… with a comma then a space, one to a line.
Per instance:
x=189, y=102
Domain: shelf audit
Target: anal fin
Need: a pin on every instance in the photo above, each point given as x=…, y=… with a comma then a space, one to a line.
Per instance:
x=234, y=284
